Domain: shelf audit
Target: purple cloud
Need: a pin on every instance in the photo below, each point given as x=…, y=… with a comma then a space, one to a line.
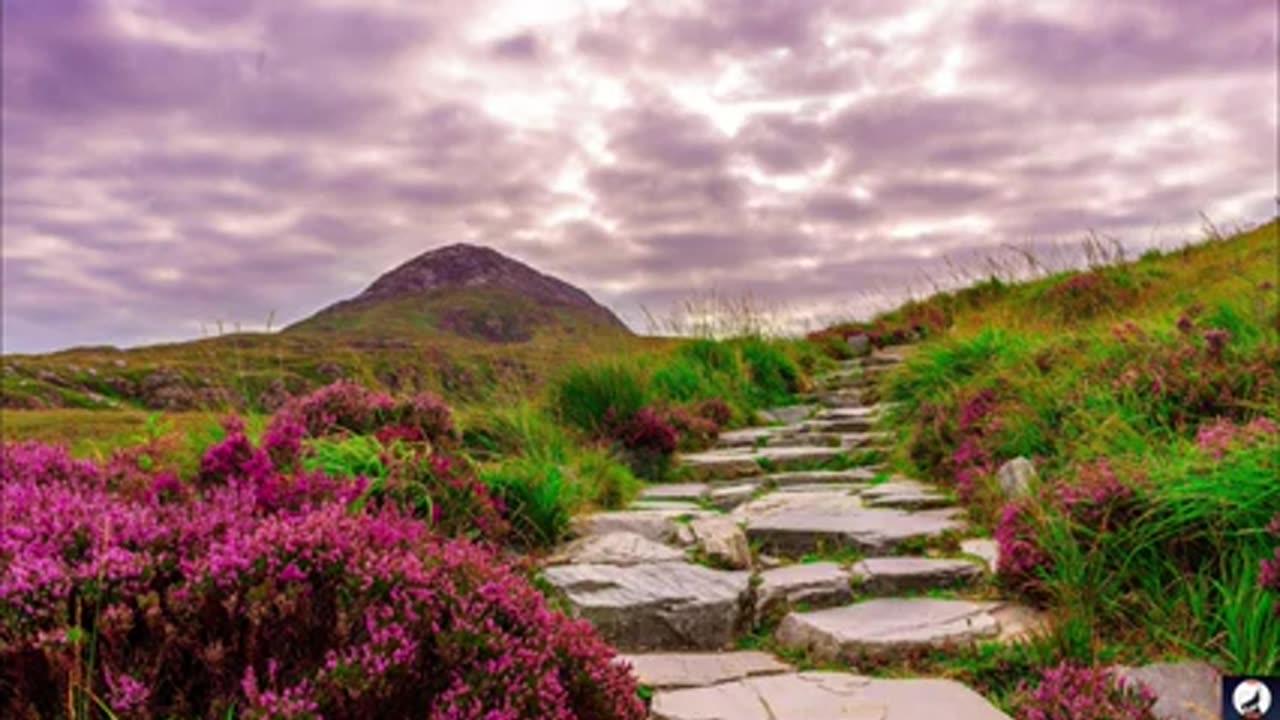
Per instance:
x=173, y=163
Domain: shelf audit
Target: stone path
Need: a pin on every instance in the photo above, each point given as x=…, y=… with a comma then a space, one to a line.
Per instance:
x=843, y=563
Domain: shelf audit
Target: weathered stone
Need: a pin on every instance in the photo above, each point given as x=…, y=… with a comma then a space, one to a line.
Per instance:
x=681, y=506
x=825, y=696
x=733, y=464
x=619, y=548
x=984, y=548
x=1183, y=690
x=1016, y=477
x=747, y=437
x=690, y=492
x=847, y=488
x=816, y=585
x=805, y=477
x=866, y=441
x=665, y=671
x=793, y=524
x=825, y=424
x=886, y=626
x=659, y=606
x=657, y=525
x=900, y=575
x=728, y=497
x=1019, y=622
x=787, y=415
x=723, y=541
x=905, y=494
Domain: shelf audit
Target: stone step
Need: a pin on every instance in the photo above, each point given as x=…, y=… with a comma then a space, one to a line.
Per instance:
x=691, y=492
x=728, y=497
x=669, y=671
x=887, y=627
x=984, y=549
x=615, y=548
x=860, y=475
x=825, y=696
x=905, y=494
x=787, y=414
x=797, y=523
x=747, y=437
x=881, y=441
x=838, y=424
x=812, y=585
x=903, y=575
x=733, y=464
x=657, y=606
x=659, y=525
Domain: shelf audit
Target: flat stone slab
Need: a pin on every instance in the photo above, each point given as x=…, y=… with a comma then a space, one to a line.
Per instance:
x=906, y=494
x=792, y=524
x=840, y=424
x=984, y=548
x=899, y=575
x=658, y=525
x=619, y=548
x=825, y=696
x=728, y=497
x=846, y=488
x=866, y=441
x=1183, y=690
x=787, y=414
x=816, y=585
x=734, y=463
x=747, y=437
x=806, y=477
x=681, y=506
x=886, y=626
x=691, y=492
x=657, y=606
x=665, y=671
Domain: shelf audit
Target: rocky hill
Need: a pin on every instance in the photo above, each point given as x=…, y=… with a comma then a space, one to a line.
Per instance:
x=466, y=290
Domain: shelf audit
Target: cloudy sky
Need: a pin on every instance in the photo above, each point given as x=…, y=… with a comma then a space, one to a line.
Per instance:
x=168, y=163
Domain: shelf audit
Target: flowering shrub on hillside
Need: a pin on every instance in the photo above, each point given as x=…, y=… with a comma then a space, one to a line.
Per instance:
x=646, y=438
x=269, y=594
x=694, y=431
x=1072, y=692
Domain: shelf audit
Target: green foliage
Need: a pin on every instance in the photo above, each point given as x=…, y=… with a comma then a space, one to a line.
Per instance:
x=354, y=456
x=773, y=375
x=538, y=496
x=588, y=396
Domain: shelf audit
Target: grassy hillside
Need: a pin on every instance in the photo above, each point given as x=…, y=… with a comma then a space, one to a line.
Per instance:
x=1147, y=395
x=466, y=345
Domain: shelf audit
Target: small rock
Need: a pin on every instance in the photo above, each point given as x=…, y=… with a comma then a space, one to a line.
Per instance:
x=691, y=492
x=1183, y=690
x=723, y=541
x=619, y=548
x=983, y=548
x=769, y=562
x=817, y=585
x=665, y=671
x=1016, y=477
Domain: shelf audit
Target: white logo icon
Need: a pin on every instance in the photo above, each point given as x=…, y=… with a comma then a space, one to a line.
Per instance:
x=1251, y=699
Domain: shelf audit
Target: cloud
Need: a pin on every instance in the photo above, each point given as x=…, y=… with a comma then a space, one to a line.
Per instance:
x=172, y=163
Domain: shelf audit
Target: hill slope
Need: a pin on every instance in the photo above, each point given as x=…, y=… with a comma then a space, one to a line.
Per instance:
x=465, y=290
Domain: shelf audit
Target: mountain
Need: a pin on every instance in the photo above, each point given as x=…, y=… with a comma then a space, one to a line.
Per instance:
x=465, y=290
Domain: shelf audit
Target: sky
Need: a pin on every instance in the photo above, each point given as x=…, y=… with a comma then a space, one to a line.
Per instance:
x=172, y=163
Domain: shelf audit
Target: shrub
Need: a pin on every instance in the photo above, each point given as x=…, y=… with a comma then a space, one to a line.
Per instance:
x=594, y=397
x=774, y=377
x=1269, y=577
x=259, y=605
x=648, y=441
x=1072, y=692
x=717, y=411
x=537, y=497
x=695, y=432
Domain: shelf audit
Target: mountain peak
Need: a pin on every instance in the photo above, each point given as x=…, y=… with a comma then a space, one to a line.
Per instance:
x=463, y=266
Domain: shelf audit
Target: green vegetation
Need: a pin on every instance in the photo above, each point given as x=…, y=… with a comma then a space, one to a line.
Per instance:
x=1147, y=396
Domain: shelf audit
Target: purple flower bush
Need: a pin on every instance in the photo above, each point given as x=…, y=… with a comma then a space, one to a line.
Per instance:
x=1095, y=500
x=1073, y=692
x=270, y=593
x=1221, y=435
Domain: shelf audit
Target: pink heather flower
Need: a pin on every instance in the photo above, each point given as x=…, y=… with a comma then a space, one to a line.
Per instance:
x=1073, y=692
x=1216, y=340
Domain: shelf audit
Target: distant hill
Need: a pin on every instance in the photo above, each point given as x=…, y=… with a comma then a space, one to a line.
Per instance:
x=461, y=320
x=465, y=290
